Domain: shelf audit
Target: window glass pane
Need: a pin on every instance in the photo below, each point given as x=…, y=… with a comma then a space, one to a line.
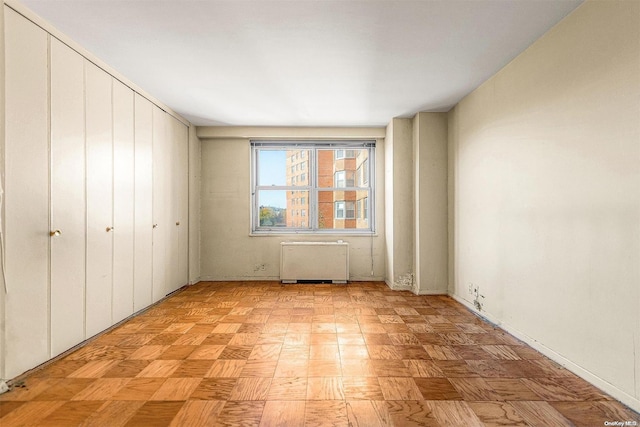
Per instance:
x=276, y=209
x=312, y=188
x=337, y=209
x=281, y=168
x=342, y=168
x=296, y=160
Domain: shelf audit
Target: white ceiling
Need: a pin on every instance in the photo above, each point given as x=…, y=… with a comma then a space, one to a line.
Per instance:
x=304, y=62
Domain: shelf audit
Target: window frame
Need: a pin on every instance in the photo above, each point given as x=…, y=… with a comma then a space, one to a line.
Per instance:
x=311, y=185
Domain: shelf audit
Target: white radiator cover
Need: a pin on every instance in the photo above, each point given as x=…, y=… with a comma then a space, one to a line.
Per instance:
x=314, y=261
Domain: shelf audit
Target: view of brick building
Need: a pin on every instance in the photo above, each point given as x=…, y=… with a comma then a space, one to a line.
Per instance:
x=337, y=169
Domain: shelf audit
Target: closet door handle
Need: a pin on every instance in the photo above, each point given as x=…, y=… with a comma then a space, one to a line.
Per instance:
x=109, y=229
x=177, y=222
x=155, y=225
x=55, y=233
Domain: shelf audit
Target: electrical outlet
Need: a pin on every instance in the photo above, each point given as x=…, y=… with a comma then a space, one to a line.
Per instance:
x=470, y=289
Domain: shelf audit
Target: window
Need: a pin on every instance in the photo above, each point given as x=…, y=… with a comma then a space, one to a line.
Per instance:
x=344, y=179
x=345, y=210
x=345, y=154
x=334, y=189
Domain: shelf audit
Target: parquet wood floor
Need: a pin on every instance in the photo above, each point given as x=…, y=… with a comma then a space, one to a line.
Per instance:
x=266, y=354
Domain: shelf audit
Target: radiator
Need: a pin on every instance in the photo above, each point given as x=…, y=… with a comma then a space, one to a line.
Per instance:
x=314, y=261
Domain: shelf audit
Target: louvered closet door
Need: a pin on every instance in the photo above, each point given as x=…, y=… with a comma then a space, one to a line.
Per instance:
x=67, y=197
x=99, y=140
x=26, y=197
x=123, y=201
x=143, y=268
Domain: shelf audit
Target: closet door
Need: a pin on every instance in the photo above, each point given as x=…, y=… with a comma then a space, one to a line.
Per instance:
x=123, y=201
x=161, y=203
x=143, y=235
x=180, y=203
x=67, y=198
x=26, y=198
x=99, y=140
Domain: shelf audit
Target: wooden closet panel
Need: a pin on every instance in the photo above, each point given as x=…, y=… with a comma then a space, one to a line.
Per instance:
x=26, y=195
x=99, y=140
x=180, y=256
x=123, y=200
x=161, y=203
x=67, y=197
x=143, y=236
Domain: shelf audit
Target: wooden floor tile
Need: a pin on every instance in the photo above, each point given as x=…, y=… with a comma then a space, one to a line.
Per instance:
x=226, y=368
x=292, y=368
x=208, y=352
x=454, y=412
x=324, y=368
x=159, y=369
x=214, y=389
x=538, y=413
x=472, y=389
x=321, y=413
x=283, y=388
x=399, y=388
x=101, y=389
x=30, y=413
x=113, y=414
x=494, y=414
x=70, y=413
x=549, y=390
x=139, y=389
x=594, y=413
x=511, y=389
x=243, y=413
x=155, y=414
x=325, y=388
x=283, y=414
x=8, y=406
x=240, y=352
x=198, y=413
x=407, y=413
x=176, y=389
x=260, y=353
x=94, y=369
x=437, y=389
x=359, y=388
x=368, y=413
x=250, y=388
x=192, y=369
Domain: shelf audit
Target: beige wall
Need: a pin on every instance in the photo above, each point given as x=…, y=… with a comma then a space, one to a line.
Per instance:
x=430, y=203
x=545, y=177
x=2, y=284
x=228, y=251
x=399, y=223
x=194, y=205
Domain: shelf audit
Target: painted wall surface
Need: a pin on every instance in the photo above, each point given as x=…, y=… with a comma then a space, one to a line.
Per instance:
x=546, y=181
x=399, y=203
x=430, y=203
x=2, y=284
x=194, y=206
x=229, y=252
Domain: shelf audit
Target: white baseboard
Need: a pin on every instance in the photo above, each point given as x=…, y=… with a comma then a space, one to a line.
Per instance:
x=602, y=384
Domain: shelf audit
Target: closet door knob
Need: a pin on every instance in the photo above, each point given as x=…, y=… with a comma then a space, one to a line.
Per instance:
x=177, y=222
x=109, y=229
x=155, y=225
x=55, y=233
